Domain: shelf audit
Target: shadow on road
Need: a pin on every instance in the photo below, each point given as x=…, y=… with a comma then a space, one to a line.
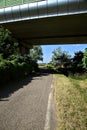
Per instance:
x=13, y=87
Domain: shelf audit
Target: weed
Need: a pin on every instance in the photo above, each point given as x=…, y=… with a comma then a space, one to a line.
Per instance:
x=71, y=100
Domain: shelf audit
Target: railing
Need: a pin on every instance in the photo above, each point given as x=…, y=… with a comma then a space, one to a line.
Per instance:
x=7, y=3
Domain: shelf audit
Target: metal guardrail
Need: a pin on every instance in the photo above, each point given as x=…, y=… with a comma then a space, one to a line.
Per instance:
x=7, y=3
x=41, y=9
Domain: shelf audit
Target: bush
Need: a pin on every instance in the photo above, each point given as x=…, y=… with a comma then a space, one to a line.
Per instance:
x=5, y=71
x=14, y=70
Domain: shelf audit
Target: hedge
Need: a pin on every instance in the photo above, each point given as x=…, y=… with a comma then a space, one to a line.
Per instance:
x=12, y=70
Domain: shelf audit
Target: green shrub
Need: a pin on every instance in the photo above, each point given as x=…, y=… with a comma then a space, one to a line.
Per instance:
x=4, y=71
x=14, y=70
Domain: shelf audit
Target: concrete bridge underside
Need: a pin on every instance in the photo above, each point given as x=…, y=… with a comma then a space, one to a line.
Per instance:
x=52, y=30
x=47, y=22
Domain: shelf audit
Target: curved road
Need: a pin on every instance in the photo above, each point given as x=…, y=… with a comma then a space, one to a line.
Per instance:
x=28, y=105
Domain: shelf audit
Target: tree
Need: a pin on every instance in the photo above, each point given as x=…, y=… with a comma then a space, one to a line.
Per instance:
x=8, y=45
x=60, y=58
x=84, y=60
x=77, y=61
x=36, y=53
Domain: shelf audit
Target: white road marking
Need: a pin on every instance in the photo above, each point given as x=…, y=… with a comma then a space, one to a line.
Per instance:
x=48, y=113
x=51, y=86
x=47, y=120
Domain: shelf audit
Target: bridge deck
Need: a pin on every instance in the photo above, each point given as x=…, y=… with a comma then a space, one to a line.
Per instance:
x=39, y=9
x=47, y=21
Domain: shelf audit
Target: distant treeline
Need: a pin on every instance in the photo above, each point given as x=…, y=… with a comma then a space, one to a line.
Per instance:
x=64, y=63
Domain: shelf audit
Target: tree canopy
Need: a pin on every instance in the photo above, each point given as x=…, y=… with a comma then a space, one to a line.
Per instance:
x=60, y=58
x=63, y=62
x=36, y=53
x=77, y=59
x=85, y=59
x=8, y=44
x=9, y=48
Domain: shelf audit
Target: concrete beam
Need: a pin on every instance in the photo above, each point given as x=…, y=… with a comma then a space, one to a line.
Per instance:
x=54, y=30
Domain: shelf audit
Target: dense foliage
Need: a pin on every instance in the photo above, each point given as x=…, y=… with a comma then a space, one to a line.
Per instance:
x=85, y=59
x=13, y=65
x=60, y=58
x=62, y=61
x=36, y=53
x=77, y=63
x=8, y=45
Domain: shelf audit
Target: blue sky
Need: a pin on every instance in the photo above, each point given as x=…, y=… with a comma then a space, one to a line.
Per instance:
x=47, y=50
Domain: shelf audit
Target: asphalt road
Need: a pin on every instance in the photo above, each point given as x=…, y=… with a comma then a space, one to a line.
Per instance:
x=27, y=105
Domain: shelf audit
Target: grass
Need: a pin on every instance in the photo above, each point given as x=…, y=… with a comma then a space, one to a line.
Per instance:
x=6, y=3
x=71, y=102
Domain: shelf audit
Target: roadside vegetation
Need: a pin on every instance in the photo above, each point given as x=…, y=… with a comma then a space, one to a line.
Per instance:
x=70, y=81
x=70, y=89
x=71, y=102
x=15, y=65
x=63, y=62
